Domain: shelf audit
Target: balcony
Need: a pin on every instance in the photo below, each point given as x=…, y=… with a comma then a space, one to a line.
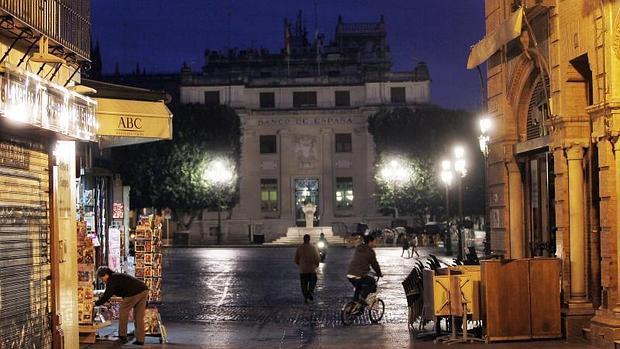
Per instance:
x=65, y=22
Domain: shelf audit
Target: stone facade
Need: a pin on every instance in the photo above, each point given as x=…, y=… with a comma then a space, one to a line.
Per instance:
x=552, y=166
x=304, y=121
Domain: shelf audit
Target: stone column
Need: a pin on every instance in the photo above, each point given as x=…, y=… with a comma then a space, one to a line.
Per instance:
x=249, y=203
x=515, y=189
x=574, y=155
x=285, y=184
x=327, y=179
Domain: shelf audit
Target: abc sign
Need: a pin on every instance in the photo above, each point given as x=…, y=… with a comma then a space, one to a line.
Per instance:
x=130, y=123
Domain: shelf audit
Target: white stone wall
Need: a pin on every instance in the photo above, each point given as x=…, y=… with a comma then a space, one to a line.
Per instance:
x=371, y=93
x=319, y=124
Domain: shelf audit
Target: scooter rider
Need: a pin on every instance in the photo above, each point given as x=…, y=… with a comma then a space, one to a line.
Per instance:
x=322, y=246
x=364, y=258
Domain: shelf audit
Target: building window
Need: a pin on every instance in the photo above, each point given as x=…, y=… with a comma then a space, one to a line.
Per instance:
x=344, y=193
x=267, y=100
x=268, y=144
x=212, y=97
x=343, y=99
x=304, y=99
x=343, y=143
x=397, y=95
x=269, y=195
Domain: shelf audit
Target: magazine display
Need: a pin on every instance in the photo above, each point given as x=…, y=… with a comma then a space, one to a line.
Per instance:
x=148, y=255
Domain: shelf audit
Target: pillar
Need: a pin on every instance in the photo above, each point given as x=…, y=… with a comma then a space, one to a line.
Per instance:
x=515, y=189
x=327, y=178
x=576, y=219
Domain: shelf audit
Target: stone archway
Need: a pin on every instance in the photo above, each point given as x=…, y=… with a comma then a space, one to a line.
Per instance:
x=523, y=84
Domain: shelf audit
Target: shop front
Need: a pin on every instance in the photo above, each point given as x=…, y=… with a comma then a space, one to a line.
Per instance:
x=125, y=116
x=39, y=124
x=106, y=226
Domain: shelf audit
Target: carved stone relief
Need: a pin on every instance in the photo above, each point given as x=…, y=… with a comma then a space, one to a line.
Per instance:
x=306, y=151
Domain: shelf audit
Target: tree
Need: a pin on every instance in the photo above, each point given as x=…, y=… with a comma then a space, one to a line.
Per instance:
x=424, y=135
x=412, y=193
x=171, y=173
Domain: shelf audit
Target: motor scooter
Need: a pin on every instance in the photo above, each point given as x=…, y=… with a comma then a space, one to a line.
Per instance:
x=322, y=246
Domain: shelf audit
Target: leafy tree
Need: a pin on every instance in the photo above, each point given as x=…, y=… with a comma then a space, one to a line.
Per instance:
x=172, y=173
x=425, y=135
x=413, y=194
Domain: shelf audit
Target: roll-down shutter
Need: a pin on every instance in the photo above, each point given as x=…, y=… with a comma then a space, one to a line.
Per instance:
x=24, y=245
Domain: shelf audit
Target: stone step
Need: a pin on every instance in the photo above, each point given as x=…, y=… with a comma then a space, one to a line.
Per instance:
x=300, y=240
x=294, y=236
x=297, y=241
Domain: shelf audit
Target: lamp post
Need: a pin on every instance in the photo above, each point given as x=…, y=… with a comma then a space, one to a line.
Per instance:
x=220, y=175
x=460, y=167
x=446, y=178
x=483, y=140
x=394, y=173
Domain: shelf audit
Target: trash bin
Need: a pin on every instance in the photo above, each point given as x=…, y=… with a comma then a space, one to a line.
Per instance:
x=259, y=239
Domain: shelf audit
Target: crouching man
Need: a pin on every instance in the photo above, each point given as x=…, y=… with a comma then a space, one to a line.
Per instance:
x=134, y=293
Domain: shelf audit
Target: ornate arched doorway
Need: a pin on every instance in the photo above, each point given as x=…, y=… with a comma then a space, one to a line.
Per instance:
x=536, y=161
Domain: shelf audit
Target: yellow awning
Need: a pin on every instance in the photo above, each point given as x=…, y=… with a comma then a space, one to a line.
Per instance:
x=485, y=48
x=134, y=119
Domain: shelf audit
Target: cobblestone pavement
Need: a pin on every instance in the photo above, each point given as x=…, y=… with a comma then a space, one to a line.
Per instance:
x=250, y=298
x=262, y=285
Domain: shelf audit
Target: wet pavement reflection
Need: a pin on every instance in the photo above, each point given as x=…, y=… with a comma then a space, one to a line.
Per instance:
x=262, y=285
x=251, y=298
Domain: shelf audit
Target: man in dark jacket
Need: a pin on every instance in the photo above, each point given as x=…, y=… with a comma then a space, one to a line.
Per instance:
x=134, y=293
x=307, y=259
x=364, y=258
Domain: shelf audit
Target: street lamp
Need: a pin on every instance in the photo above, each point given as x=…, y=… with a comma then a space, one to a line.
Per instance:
x=460, y=167
x=446, y=177
x=483, y=140
x=219, y=173
x=394, y=173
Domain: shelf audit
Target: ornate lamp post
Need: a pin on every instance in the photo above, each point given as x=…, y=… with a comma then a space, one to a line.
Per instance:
x=483, y=140
x=460, y=167
x=219, y=174
x=446, y=177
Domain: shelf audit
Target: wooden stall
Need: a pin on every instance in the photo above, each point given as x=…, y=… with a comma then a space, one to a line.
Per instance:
x=521, y=299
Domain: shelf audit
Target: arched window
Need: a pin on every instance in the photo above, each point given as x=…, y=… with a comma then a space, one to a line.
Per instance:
x=538, y=111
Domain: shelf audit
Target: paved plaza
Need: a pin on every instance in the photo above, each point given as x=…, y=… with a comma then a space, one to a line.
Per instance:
x=250, y=298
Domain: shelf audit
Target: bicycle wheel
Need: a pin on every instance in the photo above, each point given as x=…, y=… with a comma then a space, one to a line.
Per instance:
x=376, y=310
x=346, y=313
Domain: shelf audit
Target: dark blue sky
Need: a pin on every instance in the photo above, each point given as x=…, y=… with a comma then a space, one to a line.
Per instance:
x=162, y=34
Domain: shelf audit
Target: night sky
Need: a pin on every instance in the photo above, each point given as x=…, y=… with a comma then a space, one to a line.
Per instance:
x=162, y=34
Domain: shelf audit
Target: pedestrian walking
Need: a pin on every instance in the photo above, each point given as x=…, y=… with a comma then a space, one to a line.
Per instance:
x=134, y=293
x=414, y=245
x=307, y=259
x=406, y=247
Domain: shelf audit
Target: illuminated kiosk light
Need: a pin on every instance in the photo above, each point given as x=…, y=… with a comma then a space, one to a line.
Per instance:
x=38, y=102
x=65, y=151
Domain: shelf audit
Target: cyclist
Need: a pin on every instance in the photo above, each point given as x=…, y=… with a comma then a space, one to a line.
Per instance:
x=364, y=257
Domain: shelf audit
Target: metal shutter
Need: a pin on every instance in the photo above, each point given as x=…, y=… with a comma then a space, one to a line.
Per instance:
x=538, y=111
x=24, y=246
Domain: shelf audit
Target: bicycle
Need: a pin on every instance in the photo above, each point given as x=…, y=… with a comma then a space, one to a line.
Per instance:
x=354, y=308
